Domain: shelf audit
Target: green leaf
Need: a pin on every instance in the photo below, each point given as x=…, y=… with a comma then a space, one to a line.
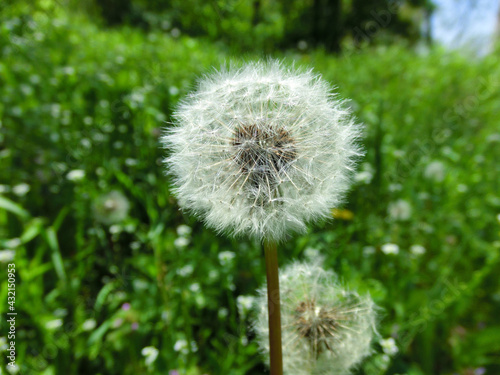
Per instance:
x=16, y=209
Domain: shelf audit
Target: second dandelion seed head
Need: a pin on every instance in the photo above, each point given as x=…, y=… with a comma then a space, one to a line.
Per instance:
x=327, y=329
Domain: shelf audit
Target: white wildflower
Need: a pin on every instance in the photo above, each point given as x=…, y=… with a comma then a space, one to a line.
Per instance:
x=417, y=250
x=54, y=324
x=184, y=230
x=151, y=353
x=195, y=287
x=181, y=346
x=226, y=257
x=244, y=304
x=181, y=242
x=399, y=210
x=76, y=175
x=21, y=189
x=389, y=346
x=435, y=171
x=185, y=271
x=89, y=325
x=7, y=255
x=390, y=248
x=368, y=250
x=261, y=150
x=111, y=208
x=326, y=328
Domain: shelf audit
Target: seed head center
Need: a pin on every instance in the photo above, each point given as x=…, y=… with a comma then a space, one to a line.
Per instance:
x=316, y=324
x=263, y=151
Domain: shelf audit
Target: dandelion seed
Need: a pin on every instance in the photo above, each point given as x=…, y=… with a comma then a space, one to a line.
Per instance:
x=327, y=329
x=261, y=150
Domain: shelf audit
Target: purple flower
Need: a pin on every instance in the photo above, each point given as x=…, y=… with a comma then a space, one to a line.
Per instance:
x=126, y=306
x=134, y=326
x=173, y=372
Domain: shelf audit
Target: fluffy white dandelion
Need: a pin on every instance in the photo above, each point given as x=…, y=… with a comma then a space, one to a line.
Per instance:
x=327, y=329
x=399, y=210
x=261, y=150
x=435, y=171
x=111, y=208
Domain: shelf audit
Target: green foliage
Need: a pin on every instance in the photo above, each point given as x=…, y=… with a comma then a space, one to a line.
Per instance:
x=81, y=110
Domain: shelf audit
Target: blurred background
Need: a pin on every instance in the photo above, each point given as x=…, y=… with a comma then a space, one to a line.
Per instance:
x=111, y=278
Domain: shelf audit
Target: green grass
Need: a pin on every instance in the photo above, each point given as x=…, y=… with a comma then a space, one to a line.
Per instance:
x=74, y=97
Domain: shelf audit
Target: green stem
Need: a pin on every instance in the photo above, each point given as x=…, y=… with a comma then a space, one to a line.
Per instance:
x=273, y=304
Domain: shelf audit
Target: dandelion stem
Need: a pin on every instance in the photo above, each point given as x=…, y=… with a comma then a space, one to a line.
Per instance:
x=273, y=303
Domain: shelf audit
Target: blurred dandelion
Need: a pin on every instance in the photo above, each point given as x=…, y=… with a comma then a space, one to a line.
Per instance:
x=111, y=208
x=435, y=171
x=327, y=329
x=399, y=210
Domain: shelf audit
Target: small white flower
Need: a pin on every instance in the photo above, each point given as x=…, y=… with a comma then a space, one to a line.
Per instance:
x=417, y=250
x=311, y=253
x=195, y=287
x=399, y=210
x=223, y=312
x=184, y=230
x=3, y=344
x=185, y=271
x=261, y=150
x=244, y=304
x=326, y=328
x=21, y=190
x=390, y=248
x=435, y=171
x=181, y=242
x=173, y=90
x=364, y=177
x=181, y=346
x=54, y=324
x=12, y=369
x=226, y=257
x=395, y=187
x=389, y=346
x=151, y=353
x=76, y=175
x=89, y=325
x=368, y=250
x=115, y=229
x=7, y=255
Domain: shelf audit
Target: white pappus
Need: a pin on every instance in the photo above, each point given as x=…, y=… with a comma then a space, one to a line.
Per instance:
x=261, y=150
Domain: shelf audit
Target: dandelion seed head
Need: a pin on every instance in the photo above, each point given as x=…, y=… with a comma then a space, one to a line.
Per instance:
x=261, y=150
x=326, y=328
x=111, y=208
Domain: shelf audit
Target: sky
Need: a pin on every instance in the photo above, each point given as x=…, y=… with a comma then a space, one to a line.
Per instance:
x=468, y=24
